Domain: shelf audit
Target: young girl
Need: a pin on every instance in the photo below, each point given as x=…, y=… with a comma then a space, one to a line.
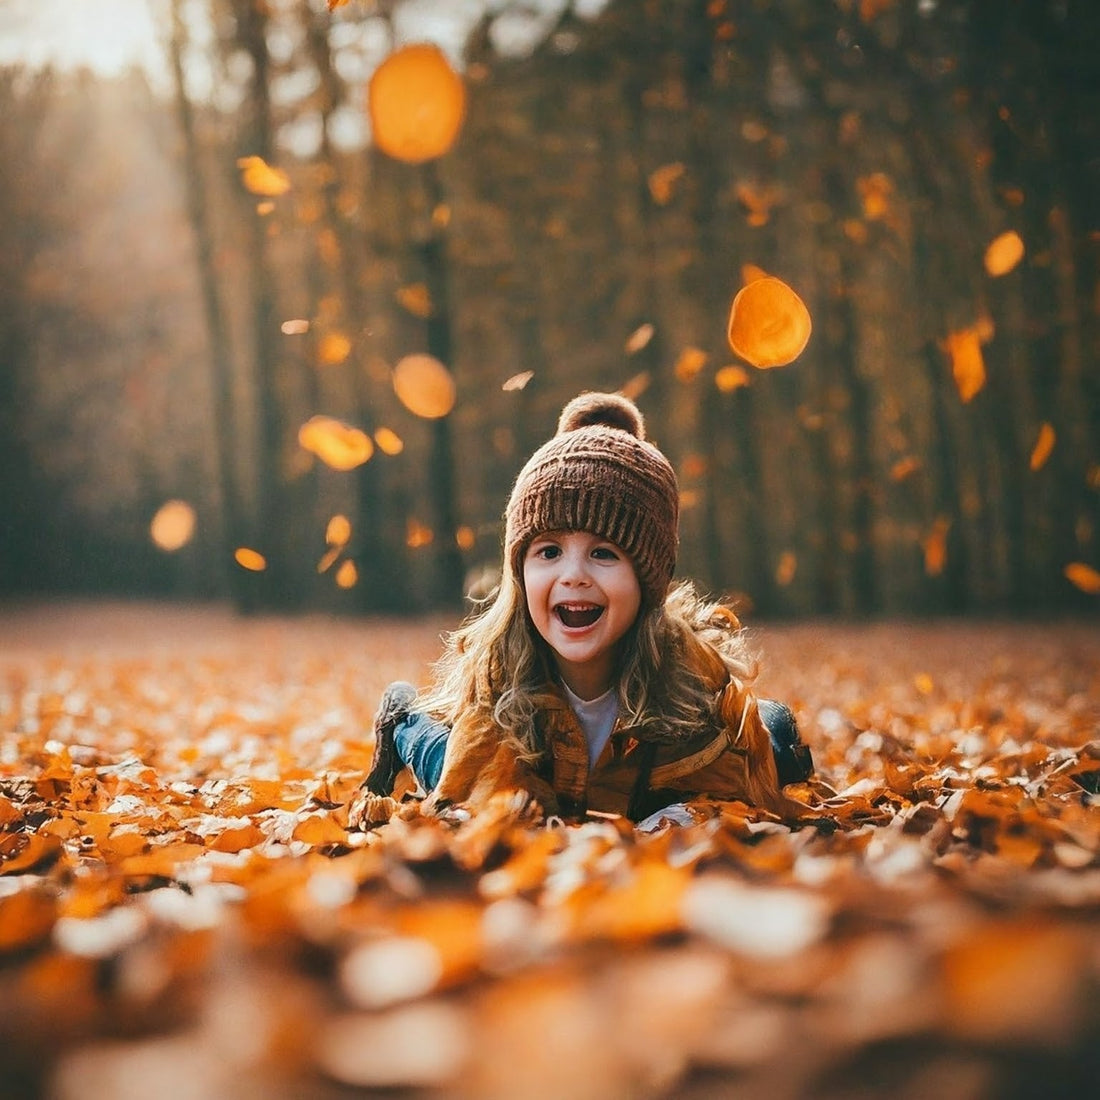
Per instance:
x=589, y=681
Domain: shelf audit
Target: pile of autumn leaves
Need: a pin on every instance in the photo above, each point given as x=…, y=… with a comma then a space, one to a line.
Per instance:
x=181, y=901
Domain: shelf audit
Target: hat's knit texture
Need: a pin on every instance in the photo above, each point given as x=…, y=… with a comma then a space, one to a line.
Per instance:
x=600, y=474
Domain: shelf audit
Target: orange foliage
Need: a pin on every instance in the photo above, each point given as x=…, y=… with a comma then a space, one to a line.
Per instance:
x=162, y=804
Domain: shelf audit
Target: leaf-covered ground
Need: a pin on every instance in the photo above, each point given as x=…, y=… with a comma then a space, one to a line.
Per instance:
x=183, y=913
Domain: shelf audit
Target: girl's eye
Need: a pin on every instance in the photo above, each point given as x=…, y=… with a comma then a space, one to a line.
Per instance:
x=548, y=551
x=605, y=553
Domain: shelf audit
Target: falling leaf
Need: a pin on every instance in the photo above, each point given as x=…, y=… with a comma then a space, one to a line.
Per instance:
x=259, y=178
x=416, y=103
x=1043, y=446
x=731, y=378
x=689, y=363
x=753, y=131
x=294, y=327
x=924, y=683
x=336, y=444
x=639, y=338
x=967, y=364
x=769, y=325
x=424, y=386
x=417, y=535
x=416, y=299
x=334, y=4
x=905, y=468
x=786, y=568
x=1004, y=253
x=465, y=539
x=637, y=385
x=758, y=201
x=935, y=546
x=875, y=191
x=250, y=559
x=1083, y=576
x=338, y=531
x=517, y=381
x=173, y=525
x=333, y=349
x=329, y=558
x=662, y=181
x=389, y=442
x=856, y=231
x=347, y=576
x=441, y=216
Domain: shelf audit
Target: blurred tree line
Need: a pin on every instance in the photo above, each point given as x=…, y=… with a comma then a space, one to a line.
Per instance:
x=165, y=331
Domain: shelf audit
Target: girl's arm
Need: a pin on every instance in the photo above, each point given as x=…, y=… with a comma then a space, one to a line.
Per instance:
x=482, y=761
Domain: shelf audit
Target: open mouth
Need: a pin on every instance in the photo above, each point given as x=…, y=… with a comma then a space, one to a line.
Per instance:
x=577, y=615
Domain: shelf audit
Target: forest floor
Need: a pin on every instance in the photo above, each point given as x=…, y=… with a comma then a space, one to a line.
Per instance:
x=183, y=913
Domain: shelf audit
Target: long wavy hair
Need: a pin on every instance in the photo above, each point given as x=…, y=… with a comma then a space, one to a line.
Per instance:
x=668, y=665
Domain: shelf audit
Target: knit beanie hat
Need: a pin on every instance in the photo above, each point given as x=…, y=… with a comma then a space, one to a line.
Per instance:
x=600, y=474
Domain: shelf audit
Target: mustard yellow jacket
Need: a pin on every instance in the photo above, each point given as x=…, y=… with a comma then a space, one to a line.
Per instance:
x=634, y=776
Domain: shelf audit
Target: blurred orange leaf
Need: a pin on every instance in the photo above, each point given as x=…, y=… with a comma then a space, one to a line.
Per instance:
x=875, y=192
x=173, y=525
x=1044, y=444
x=338, y=531
x=416, y=103
x=639, y=338
x=389, y=442
x=259, y=178
x=347, y=576
x=333, y=349
x=935, y=546
x=731, y=378
x=416, y=299
x=967, y=364
x=1004, y=253
x=424, y=386
x=335, y=443
x=249, y=559
x=662, y=181
x=689, y=363
x=1083, y=576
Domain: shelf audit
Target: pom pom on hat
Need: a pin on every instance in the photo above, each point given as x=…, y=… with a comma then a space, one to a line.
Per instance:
x=610, y=410
x=599, y=473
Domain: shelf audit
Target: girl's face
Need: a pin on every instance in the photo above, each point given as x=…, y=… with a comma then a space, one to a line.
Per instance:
x=583, y=596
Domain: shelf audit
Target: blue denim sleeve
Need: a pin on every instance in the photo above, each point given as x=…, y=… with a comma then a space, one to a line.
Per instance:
x=421, y=742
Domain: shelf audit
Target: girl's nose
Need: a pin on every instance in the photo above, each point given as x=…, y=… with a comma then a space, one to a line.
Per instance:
x=574, y=569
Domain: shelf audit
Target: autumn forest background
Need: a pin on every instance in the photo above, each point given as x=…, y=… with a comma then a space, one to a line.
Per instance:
x=923, y=175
